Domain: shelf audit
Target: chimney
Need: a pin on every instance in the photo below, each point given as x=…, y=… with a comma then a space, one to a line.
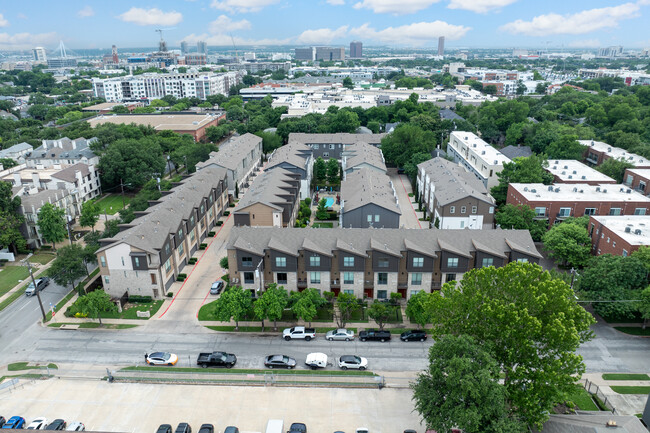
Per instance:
x=17, y=180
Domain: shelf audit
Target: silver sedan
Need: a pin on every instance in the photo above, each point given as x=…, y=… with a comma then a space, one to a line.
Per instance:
x=340, y=334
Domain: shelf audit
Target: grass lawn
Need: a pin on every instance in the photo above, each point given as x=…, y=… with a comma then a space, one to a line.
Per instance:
x=42, y=258
x=207, y=312
x=131, y=313
x=10, y=299
x=582, y=399
x=323, y=225
x=632, y=330
x=249, y=371
x=631, y=389
x=614, y=319
x=9, y=276
x=111, y=203
x=324, y=314
x=17, y=366
x=93, y=325
x=625, y=376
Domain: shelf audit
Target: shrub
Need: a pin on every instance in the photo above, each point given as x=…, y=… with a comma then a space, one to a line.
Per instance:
x=231, y=205
x=203, y=246
x=137, y=299
x=192, y=260
x=210, y=234
x=226, y=213
x=170, y=294
x=46, y=247
x=219, y=223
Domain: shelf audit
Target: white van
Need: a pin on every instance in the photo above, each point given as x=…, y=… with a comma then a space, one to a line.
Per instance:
x=275, y=426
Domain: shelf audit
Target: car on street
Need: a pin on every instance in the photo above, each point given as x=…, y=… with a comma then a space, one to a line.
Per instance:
x=41, y=283
x=2, y=421
x=183, y=428
x=75, y=426
x=413, y=335
x=298, y=427
x=231, y=429
x=206, y=428
x=217, y=287
x=38, y=424
x=299, y=333
x=57, y=424
x=164, y=428
x=15, y=422
x=362, y=430
x=340, y=334
x=161, y=358
x=279, y=361
x=352, y=361
x=216, y=359
x=374, y=335
x=316, y=360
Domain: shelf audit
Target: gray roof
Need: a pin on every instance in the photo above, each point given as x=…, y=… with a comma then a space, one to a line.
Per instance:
x=68, y=174
x=359, y=154
x=339, y=138
x=366, y=186
x=453, y=182
x=447, y=114
x=295, y=154
x=232, y=153
x=16, y=148
x=64, y=148
x=390, y=241
x=40, y=198
x=513, y=152
x=592, y=423
x=270, y=188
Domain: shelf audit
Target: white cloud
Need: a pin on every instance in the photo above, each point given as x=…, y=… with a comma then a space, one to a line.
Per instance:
x=222, y=40
x=86, y=12
x=226, y=24
x=479, y=6
x=150, y=17
x=397, y=7
x=22, y=41
x=574, y=24
x=412, y=34
x=336, y=2
x=321, y=36
x=3, y=21
x=585, y=43
x=242, y=6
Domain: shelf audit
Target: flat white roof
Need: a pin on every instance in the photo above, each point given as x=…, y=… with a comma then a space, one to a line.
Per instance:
x=572, y=170
x=578, y=192
x=488, y=153
x=643, y=172
x=615, y=152
x=634, y=229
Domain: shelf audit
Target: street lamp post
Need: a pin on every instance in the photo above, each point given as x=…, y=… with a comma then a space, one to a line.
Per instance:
x=38, y=295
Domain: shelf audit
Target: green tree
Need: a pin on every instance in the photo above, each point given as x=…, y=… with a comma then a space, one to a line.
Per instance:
x=234, y=304
x=644, y=306
x=333, y=171
x=411, y=166
x=346, y=303
x=51, y=224
x=347, y=83
x=381, y=312
x=521, y=170
x=10, y=235
x=614, y=168
x=537, y=76
x=321, y=210
x=643, y=254
x=490, y=89
x=120, y=109
x=567, y=147
x=95, y=303
x=568, y=244
x=306, y=303
x=320, y=170
x=68, y=266
x=270, y=141
x=407, y=140
x=89, y=214
x=418, y=308
x=461, y=389
x=271, y=305
x=223, y=262
x=374, y=126
x=521, y=217
x=533, y=326
x=131, y=161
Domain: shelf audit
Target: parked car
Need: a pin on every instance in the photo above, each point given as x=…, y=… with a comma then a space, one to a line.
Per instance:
x=217, y=287
x=231, y=429
x=2, y=421
x=38, y=424
x=15, y=422
x=161, y=358
x=41, y=283
x=76, y=426
x=298, y=427
x=183, y=428
x=57, y=424
x=374, y=335
x=206, y=428
x=164, y=428
x=353, y=361
x=299, y=332
x=362, y=430
x=413, y=335
x=316, y=360
x=279, y=361
x=340, y=334
x=216, y=359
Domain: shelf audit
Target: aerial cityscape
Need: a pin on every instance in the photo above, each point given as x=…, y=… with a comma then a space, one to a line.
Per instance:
x=341, y=216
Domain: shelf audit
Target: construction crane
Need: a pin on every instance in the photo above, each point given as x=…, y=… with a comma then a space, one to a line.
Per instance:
x=162, y=45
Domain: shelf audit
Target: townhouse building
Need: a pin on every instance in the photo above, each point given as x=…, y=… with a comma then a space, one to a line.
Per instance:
x=572, y=171
x=453, y=197
x=362, y=155
x=63, y=151
x=240, y=157
x=638, y=179
x=597, y=152
x=17, y=152
x=369, y=199
x=333, y=145
x=31, y=202
x=557, y=202
x=296, y=158
x=477, y=156
x=147, y=255
x=368, y=262
x=618, y=235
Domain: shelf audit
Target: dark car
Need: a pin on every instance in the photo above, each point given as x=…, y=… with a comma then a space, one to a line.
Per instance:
x=183, y=428
x=57, y=424
x=216, y=359
x=206, y=428
x=2, y=421
x=298, y=427
x=164, y=428
x=231, y=429
x=15, y=422
x=413, y=335
x=41, y=283
x=279, y=361
x=217, y=287
x=374, y=335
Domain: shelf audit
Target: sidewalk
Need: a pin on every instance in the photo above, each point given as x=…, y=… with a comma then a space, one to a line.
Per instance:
x=624, y=404
x=36, y=272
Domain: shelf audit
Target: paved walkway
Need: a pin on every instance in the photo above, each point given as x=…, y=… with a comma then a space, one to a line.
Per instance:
x=410, y=217
x=624, y=404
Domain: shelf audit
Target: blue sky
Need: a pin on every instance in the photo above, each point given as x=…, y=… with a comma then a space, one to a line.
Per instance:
x=410, y=23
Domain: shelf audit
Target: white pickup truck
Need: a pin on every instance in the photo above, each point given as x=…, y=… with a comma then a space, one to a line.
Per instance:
x=299, y=333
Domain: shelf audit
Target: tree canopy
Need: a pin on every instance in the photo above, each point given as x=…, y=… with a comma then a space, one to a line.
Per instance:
x=52, y=224
x=521, y=170
x=568, y=243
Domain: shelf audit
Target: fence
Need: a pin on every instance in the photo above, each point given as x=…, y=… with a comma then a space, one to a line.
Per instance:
x=594, y=389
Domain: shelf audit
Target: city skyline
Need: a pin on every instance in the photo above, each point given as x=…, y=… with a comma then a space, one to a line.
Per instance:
x=398, y=23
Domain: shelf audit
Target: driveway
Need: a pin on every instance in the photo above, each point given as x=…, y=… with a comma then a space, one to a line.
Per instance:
x=410, y=217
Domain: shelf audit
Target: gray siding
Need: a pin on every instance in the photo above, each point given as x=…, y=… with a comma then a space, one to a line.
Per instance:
x=358, y=218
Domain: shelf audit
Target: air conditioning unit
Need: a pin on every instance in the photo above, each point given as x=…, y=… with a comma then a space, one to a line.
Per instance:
x=637, y=231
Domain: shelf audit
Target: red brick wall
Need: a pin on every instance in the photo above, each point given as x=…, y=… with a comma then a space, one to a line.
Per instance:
x=636, y=179
x=604, y=241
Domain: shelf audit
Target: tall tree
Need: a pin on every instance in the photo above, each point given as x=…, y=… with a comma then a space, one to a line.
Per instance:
x=644, y=306
x=521, y=217
x=51, y=224
x=333, y=171
x=418, y=308
x=407, y=140
x=271, y=305
x=306, y=303
x=68, y=267
x=345, y=304
x=95, y=303
x=381, y=312
x=567, y=147
x=320, y=170
x=89, y=214
x=131, y=161
x=521, y=170
x=234, y=304
x=568, y=244
x=614, y=168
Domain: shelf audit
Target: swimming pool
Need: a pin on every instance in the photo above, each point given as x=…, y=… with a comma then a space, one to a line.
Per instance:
x=329, y=201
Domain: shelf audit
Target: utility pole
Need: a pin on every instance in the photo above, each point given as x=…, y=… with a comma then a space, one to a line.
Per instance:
x=68, y=225
x=38, y=294
x=122, y=185
x=573, y=277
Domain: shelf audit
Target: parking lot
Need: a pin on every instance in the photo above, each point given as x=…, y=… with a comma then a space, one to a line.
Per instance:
x=129, y=407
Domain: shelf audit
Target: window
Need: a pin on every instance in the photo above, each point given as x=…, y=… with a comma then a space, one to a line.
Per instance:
x=106, y=279
x=522, y=260
x=607, y=239
x=376, y=218
x=136, y=260
x=452, y=262
x=382, y=278
x=348, y=277
x=316, y=146
x=491, y=209
x=180, y=233
x=249, y=277
x=332, y=146
x=462, y=224
x=415, y=292
x=564, y=212
x=624, y=253
x=639, y=211
x=153, y=278
x=463, y=209
x=314, y=277
x=452, y=209
x=181, y=249
x=122, y=260
x=192, y=220
x=247, y=262
x=642, y=186
x=282, y=277
x=167, y=250
x=369, y=218
x=474, y=209
x=202, y=209
x=540, y=211
x=450, y=277
x=314, y=261
x=382, y=263
x=416, y=278
x=614, y=244
x=615, y=211
x=326, y=154
x=418, y=262
x=281, y=262
x=487, y=261
x=348, y=261
x=382, y=294
x=348, y=291
x=192, y=236
x=590, y=211
x=102, y=259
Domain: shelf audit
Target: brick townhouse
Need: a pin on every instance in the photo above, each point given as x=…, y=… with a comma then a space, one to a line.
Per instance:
x=618, y=235
x=638, y=179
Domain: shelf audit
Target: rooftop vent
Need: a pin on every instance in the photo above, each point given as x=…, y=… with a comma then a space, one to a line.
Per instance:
x=628, y=230
x=604, y=190
x=610, y=423
x=637, y=231
x=597, y=189
x=575, y=189
x=570, y=177
x=575, y=172
x=566, y=166
x=550, y=188
x=609, y=149
x=583, y=177
x=557, y=189
x=525, y=188
x=533, y=190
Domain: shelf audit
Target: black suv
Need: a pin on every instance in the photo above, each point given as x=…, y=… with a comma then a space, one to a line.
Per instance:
x=413, y=335
x=298, y=427
x=183, y=428
x=374, y=335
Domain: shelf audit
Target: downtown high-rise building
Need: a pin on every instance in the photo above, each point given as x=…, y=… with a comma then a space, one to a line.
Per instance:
x=202, y=47
x=39, y=54
x=356, y=50
x=184, y=48
x=441, y=46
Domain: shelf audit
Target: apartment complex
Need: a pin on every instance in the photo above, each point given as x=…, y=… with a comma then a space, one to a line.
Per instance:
x=155, y=86
x=560, y=201
x=147, y=255
x=618, y=235
x=360, y=155
x=368, y=262
x=240, y=157
x=368, y=200
x=17, y=152
x=597, y=152
x=320, y=53
x=356, y=50
x=31, y=201
x=453, y=197
x=333, y=145
x=62, y=151
x=638, y=179
x=296, y=158
x=572, y=171
x=477, y=156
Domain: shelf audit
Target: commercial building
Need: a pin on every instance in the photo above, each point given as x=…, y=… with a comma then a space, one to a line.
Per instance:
x=182, y=123
x=369, y=199
x=597, y=152
x=63, y=151
x=330, y=53
x=477, y=156
x=202, y=47
x=296, y=158
x=306, y=54
x=638, y=179
x=453, y=197
x=572, y=171
x=356, y=50
x=368, y=262
x=184, y=48
x=333, y=145
x=147, y=255
x=255, y=67
x=39, y=54
x=441, y=46
x=618, y=235
x=240, y=157
x=195, y=59
x=557, y=202
x=107, y=107
x=61, y=62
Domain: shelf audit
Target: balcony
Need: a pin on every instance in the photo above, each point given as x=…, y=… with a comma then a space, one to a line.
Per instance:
x=302, y=283
x=367, y=284
x=402, y=285
x=436, y=285
x=561, y=216
x=335, y=284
